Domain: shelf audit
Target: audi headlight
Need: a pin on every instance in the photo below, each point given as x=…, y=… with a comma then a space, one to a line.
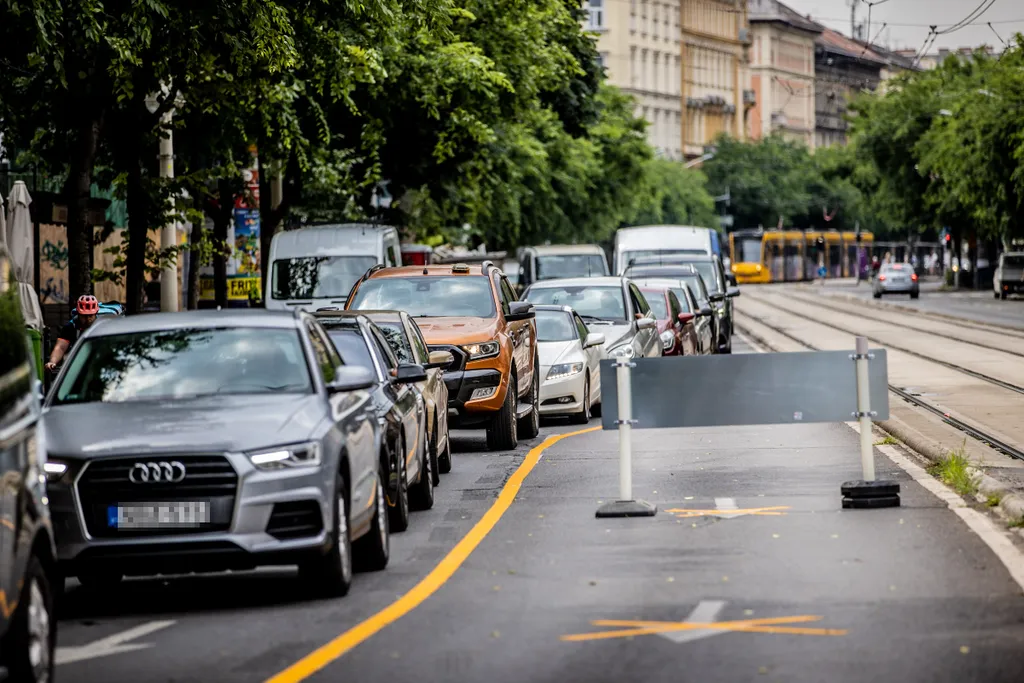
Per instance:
x=563, y=370
x=298, y=455
x=482, y=350
x=55, y=470
x=667, y=340
x=622, y=352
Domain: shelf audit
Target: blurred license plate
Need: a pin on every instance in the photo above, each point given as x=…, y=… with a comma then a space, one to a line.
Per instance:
x=158, y=515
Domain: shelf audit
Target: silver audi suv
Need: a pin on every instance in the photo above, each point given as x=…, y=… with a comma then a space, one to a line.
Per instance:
x=214, y=440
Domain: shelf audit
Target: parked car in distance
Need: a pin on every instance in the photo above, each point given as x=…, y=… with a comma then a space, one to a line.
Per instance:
x=570, y=363
x=675, y=327
x=242, y=440
x=473, y=313
x=613, y=306
x=713, y=274
x=555, y=261
x=315, y=267
x=406, y=341
x=28, y=582
x=896, y=278
x=702, y=316
x=1009, y=275
x=400, y=408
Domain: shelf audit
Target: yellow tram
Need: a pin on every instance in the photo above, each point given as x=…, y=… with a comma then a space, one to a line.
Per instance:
x=762, y=256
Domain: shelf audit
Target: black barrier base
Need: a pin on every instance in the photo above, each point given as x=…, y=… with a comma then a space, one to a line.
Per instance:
x=627, y=508
x=864, y=495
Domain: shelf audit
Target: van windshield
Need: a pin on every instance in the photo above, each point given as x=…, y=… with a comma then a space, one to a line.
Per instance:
x=318, y=277
x=570, y=265
x=650, y=256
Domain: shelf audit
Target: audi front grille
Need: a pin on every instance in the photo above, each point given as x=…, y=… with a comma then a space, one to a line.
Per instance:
x=105, y=483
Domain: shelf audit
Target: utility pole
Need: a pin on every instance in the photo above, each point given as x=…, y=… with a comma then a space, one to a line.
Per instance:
x=169, y=232
x=853, y=18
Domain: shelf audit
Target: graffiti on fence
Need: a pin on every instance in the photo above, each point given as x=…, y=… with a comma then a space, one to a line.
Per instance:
x=54, y=291
x=55, y=254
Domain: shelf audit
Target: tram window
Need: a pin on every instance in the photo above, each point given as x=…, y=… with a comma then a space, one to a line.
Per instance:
x=748, y=250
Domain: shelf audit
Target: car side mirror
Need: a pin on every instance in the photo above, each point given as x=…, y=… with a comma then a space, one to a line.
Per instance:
x=705, y=312
x=520, y=310
x=594, y=339
x=438, y=359
x=351, y=378
x=716, y=297
x=685, y=317
x=733, y=292
x=732, y=280
x=646, y=323
x=409, y=373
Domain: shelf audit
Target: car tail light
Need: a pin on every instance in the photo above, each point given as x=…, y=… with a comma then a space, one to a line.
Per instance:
x=881, y=278
x=913, y=277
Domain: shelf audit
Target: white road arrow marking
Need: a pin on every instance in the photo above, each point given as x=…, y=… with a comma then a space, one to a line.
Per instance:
x=705, y=613
x=728, y=504
x=111, y=645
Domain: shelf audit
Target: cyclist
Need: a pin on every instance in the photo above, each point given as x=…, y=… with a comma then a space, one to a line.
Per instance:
x=87, y=308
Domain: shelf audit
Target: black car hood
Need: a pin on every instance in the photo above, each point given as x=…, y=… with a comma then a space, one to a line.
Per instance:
x=202, y=425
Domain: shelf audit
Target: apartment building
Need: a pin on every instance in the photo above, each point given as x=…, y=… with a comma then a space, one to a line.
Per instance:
x=843, y=67
x=781, y=72
x=639, y=43
x=715, y=38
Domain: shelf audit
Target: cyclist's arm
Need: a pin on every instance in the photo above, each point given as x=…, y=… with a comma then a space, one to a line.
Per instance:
x=57, y=355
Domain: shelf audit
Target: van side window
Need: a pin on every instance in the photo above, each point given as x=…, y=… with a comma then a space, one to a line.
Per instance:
x=392, y=259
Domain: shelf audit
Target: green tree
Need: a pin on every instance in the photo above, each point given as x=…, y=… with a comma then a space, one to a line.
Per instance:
x=673, y=195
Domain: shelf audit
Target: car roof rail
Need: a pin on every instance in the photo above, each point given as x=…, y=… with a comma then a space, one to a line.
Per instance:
x=371, y=270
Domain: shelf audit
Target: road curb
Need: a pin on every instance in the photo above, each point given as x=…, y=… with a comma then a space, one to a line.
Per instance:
x=1011, y=501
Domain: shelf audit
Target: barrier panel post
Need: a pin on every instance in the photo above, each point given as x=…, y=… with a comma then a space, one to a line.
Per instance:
x=868, y=492
x=625, y=506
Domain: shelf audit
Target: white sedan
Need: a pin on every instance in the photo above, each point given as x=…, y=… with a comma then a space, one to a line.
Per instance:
x=570, y=364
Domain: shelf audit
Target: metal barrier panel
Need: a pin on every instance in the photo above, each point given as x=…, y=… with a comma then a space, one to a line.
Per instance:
x=745, y=389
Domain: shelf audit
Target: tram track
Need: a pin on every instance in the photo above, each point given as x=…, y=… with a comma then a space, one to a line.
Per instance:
x=838, y=309
x=947, y=364
x=971, y=430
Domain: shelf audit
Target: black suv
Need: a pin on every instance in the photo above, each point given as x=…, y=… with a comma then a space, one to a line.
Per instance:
x=28, y=625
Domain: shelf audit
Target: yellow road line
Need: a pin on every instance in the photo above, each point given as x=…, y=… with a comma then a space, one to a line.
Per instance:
x=769, y=511
x=645, y=628
x=318, y=659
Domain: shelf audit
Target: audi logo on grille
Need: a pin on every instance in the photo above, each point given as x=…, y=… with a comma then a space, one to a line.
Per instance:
x=156, y=472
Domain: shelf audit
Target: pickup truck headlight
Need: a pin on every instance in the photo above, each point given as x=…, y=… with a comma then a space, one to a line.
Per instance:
x=563, y=370
x=482, y=350
x=296, y=455
x=622, y=352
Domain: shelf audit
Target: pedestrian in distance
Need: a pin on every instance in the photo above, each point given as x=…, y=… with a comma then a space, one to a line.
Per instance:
x=87, y=308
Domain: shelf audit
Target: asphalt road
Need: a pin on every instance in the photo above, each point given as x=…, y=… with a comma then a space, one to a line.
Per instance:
x=790, y=588
x=973, y=305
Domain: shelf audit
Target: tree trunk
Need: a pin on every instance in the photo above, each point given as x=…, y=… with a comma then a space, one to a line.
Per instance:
x=221, y=220
x=195, y=238
x=138, y=237
x=77, y=191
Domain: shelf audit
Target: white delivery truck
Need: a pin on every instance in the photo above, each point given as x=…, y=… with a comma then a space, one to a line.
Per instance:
x=315, y=267
x=648, y=241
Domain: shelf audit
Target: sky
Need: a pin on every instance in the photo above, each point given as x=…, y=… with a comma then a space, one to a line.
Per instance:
x=907, y=21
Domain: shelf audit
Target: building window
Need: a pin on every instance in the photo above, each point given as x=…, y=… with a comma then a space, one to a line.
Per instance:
x=643, y=17
x=654, y=29
x=602, y=60
x=632, y=15
x=643, y=72
x=655, y=58
x=676, y=79
x=632, y=67
x=595, y=10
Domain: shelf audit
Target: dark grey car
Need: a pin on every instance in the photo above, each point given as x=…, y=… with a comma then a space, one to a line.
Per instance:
x=215, y=440
x=28, y=626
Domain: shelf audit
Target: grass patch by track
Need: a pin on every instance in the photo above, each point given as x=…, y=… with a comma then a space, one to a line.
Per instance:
x=954, y=471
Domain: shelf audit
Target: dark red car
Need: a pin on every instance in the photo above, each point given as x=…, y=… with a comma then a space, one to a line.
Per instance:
x=675, y=323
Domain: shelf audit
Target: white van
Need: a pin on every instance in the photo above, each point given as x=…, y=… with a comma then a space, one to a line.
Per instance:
x=561, y=261
x=315, y=267
x=653, y=240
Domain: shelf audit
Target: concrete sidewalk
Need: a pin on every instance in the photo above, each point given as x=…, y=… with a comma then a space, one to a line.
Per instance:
x=750, y=542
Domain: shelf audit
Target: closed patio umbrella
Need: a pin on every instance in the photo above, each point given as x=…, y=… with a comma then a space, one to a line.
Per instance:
x=18, y=235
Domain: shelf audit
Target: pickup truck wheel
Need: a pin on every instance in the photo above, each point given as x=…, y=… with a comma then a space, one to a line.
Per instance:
x=30, y=641
x=502, y=432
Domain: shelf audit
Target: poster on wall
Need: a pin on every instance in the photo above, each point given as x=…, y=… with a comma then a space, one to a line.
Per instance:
x=243, y=262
